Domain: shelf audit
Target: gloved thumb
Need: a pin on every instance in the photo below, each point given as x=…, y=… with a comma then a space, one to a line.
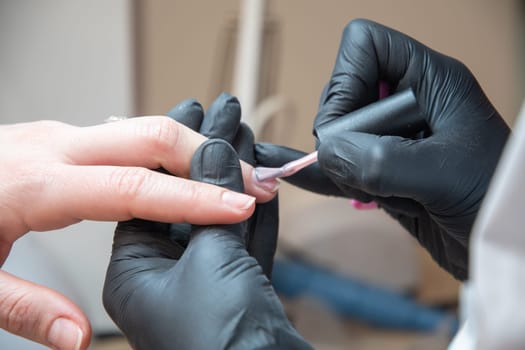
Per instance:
x=379, y=165
x=216, y=162
x=41, y=315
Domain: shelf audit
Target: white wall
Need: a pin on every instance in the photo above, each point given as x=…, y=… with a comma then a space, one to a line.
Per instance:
x=69, y=61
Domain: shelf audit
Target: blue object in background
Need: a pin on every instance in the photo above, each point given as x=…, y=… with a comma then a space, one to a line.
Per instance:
x=352, y=298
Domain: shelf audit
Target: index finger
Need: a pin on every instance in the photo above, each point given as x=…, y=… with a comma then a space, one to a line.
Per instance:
x=108, y=193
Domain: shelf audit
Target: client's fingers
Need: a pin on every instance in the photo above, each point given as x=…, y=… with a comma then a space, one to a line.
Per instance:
x=151, y=142
x=264, y=228
x=42, y=315
x=121, y=193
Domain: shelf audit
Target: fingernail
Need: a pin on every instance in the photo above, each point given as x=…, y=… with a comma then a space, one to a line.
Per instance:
x=65, y=335
x=271, y=185
x=268, y=185
x=237, y=200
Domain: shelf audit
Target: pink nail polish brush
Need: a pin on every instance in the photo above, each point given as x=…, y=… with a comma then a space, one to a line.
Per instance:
x=290, y=168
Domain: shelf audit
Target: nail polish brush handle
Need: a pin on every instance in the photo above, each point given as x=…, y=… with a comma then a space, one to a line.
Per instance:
x=395, y=115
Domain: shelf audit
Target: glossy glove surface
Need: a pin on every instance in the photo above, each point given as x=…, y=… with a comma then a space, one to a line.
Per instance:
x=433, y=184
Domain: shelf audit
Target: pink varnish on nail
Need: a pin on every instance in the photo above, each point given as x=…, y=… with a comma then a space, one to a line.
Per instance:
x=263, y=174
x=271, y=185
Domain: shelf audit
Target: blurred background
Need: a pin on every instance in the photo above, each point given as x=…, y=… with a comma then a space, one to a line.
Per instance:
x=81, y=61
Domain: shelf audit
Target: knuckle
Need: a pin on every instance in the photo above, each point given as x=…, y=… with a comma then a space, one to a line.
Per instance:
x=38, y=132
x=129, y=183
x=195, y=195
x=190, y=191
x=162, y=133
x=44, y=128
x=16, y=312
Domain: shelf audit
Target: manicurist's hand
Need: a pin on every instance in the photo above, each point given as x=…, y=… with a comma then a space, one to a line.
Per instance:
x=222, y=121
x=199, y=287
x=202, y=287
x=432, y=183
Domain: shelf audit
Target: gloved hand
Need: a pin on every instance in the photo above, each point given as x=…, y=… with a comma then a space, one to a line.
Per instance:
x=211, y=294
x=181, y=287
x=223, y=120
x=433, y=185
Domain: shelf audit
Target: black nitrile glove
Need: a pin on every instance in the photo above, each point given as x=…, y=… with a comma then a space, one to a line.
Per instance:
x=433, y=185
x=223, y=120
x=209, y=295
x=178, y=287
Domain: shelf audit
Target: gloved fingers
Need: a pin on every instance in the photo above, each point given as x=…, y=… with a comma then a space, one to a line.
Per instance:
x=448, y=252
x=310, y=178
x=139, y=239
x=42, y=315
x=216, y=162
x=264, y=228
x=180, y=234
x=271, y=155
x=384, y=166
x=222, y=121
x=244, y=144
x=222, y=118
x=368, y=53
x=137, y=226
x=322, y=99
x=142, y=252
x=263, y=225
x=189, y=113
x=323, y=96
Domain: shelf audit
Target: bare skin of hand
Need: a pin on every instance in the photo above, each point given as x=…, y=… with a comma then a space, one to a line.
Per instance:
x=54, y=175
